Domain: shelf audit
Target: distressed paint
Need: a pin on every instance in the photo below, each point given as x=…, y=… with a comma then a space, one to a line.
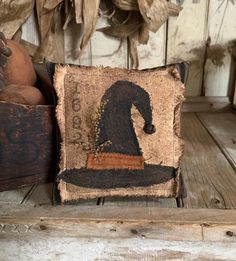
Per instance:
x=153, y=54
x=108, y=51
x=221, y=32
x=186, y=42
x=63, y=249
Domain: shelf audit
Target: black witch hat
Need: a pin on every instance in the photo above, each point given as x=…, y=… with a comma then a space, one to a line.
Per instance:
x=116, y=124
x=120, y=164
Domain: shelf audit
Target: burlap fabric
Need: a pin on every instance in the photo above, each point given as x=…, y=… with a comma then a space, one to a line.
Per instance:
x=80, y=91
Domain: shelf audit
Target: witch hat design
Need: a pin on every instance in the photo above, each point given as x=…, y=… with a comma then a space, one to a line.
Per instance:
x=116, y=127
x=121, y=163
x=116, y=123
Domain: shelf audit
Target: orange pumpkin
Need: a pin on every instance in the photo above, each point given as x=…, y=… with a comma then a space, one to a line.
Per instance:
x=22, y=94
x=19, y=68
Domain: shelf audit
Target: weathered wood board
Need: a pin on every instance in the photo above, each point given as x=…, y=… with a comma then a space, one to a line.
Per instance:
x=14, y=196
x=222, y=127
x=69, y=248
x=120, y=222
x=186, y=41
x=108, y=51
x=101, y=50
x=221, y=32
x=142, y=202
x=206, y=104
x=153, y=54
x=209, y=177
x=43, y=194
x=27, y=150
x=39, y=195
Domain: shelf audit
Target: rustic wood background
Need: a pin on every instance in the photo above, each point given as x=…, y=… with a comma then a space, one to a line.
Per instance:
x=202, y=35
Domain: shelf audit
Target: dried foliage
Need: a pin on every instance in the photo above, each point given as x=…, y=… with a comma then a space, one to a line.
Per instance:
x=125, y=29
x=131, y=19
x=79, y=11
x=49, y=15
x=156, y=12
x=13, y=13
x=127, y=5
x=90, y=16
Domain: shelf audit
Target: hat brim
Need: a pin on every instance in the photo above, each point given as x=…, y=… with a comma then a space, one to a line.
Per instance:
x=118, y=178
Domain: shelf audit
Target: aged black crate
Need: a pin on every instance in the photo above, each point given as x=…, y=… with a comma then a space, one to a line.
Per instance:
x=27, y=145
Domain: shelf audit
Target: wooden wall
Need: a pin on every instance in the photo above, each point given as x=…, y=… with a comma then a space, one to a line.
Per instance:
x=202, y=35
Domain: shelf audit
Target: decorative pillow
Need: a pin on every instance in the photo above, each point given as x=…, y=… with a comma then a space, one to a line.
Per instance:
x=120, y=132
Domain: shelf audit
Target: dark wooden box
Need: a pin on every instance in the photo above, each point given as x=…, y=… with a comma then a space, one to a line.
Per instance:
x=27, y=145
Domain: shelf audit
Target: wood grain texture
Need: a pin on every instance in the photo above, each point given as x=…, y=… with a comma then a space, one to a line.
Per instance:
x=14, y=196
x=153, y=54
x=69, y=248
x=120, y=222
x=108, y=51
x=221, y=32
x=206, y=104
x=117, y=214
x=27, y=146
x=186, y=42
x=142, y=202
x=40, y=195
x=101, y=50
x=209, y=178
x=222, y=127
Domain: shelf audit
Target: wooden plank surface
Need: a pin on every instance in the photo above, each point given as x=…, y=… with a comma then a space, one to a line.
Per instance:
x=14, y=196
x=142, y=202
x=222, y=127
x=42, y=194
x=186, y=41
x=153, y=54
x=221, y=32
x=70, y=248
x=206, y=104
x=39, y=195
x=210, y=180
x=120, y=222
x=107, y=51
x=202, y=217
x=101, y=50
